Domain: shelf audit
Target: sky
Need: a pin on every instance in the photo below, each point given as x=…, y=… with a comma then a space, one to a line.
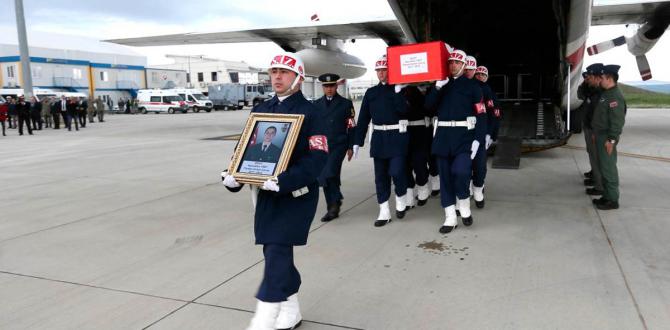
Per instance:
x=103, y=19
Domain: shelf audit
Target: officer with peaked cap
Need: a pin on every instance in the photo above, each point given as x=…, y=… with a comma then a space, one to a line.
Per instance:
x=608, y=120
x=339, y=117
x=285, y=206
x=459, y=131
x=387, y=110
x=589, y=91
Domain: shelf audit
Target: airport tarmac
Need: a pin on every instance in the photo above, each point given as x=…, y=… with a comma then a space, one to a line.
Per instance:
x=125, y=225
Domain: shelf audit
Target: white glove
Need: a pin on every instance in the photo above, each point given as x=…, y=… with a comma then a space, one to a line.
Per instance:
x=399, y=87
x=229, y=180
x=356, y=147
x=489, y=141
x=440, y=83
x=270, y=185
x=474, y=148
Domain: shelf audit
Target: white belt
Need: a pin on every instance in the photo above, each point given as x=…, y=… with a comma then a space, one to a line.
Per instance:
x=420, y=122
x=385, y=127
x=453, y=123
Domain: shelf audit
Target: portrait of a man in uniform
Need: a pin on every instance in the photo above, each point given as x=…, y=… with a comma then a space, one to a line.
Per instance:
x=264, y=148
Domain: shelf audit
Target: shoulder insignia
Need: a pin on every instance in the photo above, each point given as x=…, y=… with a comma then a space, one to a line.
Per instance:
x=353, y=112
x=614, y=104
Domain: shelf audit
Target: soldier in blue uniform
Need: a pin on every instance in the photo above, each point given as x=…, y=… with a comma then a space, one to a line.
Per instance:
x=339, y=117
x=386, y=108
x=420, y=137
x=459, y=131
x=492, y=125
x=286, y=205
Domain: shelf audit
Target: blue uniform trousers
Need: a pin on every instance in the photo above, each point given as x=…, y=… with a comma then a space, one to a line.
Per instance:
x=385, y=169
x=479, y=167
x=280, y=277
x=455, y=174
x=331, y=190
x=432, y=166
x=417, y=164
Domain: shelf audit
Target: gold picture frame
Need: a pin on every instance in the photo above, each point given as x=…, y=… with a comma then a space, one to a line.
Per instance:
x=262, y=154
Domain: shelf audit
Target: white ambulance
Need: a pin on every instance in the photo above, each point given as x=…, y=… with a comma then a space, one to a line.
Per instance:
x=160, y=100
x=194, y=98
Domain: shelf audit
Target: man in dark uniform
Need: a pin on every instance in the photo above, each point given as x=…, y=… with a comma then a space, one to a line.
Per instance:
x=82, y=105
x=23, y=112
x=420, y=138
x=589, y=91
x=608, y=120
x=339, y=117
x=266, y=151
x=71, y=116
x=492, y=125
x=286, y=205
x=58, y=111
x=459, y=131
x=386, y=108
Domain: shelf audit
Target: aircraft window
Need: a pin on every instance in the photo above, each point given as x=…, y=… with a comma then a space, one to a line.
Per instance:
x=155, y=99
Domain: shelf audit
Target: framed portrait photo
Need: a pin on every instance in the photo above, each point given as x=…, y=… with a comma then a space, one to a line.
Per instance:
x=265, y=147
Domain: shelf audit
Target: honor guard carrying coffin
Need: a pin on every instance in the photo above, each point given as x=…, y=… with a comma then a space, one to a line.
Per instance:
x=286, y=205
x=492, y=126
x=608, y=120
x=459, y=131
x=385, y=107
x=340, y=120
x=420, y=137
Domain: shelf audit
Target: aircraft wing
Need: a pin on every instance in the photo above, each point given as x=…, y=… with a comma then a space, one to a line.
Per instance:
x=632, y=13
x=288, y=38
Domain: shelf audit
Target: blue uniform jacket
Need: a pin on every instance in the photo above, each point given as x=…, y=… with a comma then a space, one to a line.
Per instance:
x=461, y=98
x=383, y=106
x=492, y=110
x=280, y=217
x=339, y=118
x=420, y=137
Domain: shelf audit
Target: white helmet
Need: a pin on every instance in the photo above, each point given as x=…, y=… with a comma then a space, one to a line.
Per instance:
x=470, y=63
x=381, y=63
x=482, y=70
x=457, y=55
x=289, y=61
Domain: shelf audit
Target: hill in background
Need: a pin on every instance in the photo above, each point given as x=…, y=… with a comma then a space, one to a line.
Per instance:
x=637, y=97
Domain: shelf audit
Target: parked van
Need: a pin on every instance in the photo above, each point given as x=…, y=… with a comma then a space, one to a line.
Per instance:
x=195, y=100
x=40, y=93
x=160, y=100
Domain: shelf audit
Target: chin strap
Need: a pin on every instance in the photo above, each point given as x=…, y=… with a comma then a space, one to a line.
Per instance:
x=291, y=89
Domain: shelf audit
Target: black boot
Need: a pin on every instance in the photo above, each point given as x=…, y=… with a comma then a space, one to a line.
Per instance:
x=588, y=175
x=333, y=212
x=434, y=193
x=401, y=214
x=589, y=182
x=479, y=204
x=593, y=191
x=607, y=205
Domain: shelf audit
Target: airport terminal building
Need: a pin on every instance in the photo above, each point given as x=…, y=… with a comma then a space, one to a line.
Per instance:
x=77, y=64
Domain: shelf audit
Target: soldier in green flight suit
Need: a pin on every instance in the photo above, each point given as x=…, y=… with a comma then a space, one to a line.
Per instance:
x=608, y=120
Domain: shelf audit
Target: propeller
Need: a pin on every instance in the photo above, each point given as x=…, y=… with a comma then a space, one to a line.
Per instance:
x=641, y=42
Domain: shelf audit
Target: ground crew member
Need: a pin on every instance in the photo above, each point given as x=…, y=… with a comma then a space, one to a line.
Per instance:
x=340, y=121
x=492, y=125
x=420, y=137
x=459, y=131
x=608, y=120
x=100, y=109
x=386, y=109
x=90, y=110
x=589, y=91
x=286, y=205
x=46, y=112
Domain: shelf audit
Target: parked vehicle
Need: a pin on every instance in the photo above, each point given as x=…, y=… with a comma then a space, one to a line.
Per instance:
x=236, y=96
x=40, y=93
x=160, y=100
x=194, y=99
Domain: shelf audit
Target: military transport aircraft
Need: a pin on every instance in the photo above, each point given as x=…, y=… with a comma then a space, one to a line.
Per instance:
x=534, y=50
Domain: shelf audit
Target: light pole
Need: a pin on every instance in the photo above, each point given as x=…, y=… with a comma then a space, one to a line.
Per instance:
x=23, y=50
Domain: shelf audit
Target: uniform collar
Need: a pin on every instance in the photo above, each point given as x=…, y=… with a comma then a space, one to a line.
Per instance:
x=291, y=99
